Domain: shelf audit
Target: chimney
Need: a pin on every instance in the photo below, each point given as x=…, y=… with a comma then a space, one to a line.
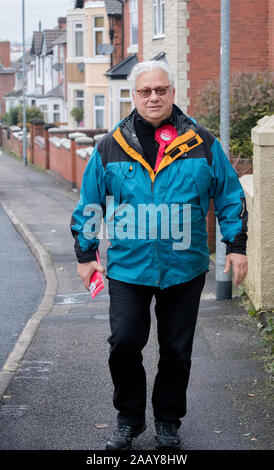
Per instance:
x=79, y=4
x=62, y=22
x=5, y=53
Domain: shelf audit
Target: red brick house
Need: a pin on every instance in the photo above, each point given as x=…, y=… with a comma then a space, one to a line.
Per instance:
x=252, y=40
x=7, y=74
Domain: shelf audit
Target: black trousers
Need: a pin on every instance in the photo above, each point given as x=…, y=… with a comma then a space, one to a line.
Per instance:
x=176, y=311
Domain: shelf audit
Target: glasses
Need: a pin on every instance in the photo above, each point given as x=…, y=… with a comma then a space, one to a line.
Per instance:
x=160, y=91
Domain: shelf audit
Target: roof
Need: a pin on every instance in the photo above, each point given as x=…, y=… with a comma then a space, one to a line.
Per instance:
x=13, y=94
x=113, y=7
x=36, y=43
x=61, y=39
x=123, y=68
x=50, y=36
x=56, y=92
x=18, y=64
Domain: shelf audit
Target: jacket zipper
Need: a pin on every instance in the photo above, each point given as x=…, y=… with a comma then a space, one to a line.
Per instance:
x=156, y=249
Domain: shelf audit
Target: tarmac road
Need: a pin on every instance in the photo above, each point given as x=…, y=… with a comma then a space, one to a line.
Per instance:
x=22, y=286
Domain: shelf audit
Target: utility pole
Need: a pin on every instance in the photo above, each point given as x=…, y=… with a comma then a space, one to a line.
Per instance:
x=25, y=160
x=224, y=281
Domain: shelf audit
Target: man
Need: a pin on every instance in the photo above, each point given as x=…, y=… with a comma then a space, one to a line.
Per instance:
x=156, y=159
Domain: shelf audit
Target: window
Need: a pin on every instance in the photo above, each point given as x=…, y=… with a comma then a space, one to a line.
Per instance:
x=99, y=111
x=125, y=102
x=79, y=39
x=44, y=110
x=56, y=113
x=159, y=17
x=79, y=99
x=133, y=10
x=98, y=34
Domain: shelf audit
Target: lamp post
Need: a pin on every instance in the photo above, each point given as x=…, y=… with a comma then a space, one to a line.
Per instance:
x=24, y=88
x=224, y=281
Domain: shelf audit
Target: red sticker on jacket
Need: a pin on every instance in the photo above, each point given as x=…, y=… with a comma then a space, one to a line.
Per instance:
x=164, y=136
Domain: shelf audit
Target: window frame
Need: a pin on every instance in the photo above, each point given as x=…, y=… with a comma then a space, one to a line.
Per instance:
x=56, y=112
x=124, y=100
x=99, y=108
x=133, y=10
x=45, y=110
x=158, y=19
x=96, y=29
x=78, y=30
x=78, y=99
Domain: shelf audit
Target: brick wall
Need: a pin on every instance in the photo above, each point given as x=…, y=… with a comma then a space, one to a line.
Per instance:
x=115, y=24
x=271, y=34
x=39, y=153
x=249, y=40
x=60, y=161
x=5, y=53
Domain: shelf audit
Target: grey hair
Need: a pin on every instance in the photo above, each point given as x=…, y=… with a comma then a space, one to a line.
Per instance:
x=142, y=67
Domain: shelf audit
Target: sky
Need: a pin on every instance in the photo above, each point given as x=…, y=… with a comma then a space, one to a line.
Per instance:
x=45, y=10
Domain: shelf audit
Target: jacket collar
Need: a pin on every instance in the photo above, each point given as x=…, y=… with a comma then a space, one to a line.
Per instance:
x=178, y=119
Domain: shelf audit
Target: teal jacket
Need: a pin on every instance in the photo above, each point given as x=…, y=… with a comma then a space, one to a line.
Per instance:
x=156, y=222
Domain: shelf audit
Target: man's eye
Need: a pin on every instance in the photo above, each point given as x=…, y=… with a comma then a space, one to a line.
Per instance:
x=161, y=91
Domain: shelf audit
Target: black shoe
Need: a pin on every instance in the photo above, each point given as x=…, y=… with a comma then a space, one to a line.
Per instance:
x=166, y=435
x=122, y=437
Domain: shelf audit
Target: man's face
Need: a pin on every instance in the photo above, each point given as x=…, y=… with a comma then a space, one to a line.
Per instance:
x=155, y=108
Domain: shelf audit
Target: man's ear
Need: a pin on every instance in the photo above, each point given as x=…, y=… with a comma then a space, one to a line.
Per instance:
x=173, y=94
x=134, y=98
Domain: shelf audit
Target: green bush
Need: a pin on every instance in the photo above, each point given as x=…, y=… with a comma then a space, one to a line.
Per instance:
x=15, y=115
x=77, y=114
x=32, y=112
x=251, y=98
x=11, y=118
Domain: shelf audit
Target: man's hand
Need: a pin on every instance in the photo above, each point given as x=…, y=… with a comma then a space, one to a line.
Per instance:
x=239, y=264
x=85, y=270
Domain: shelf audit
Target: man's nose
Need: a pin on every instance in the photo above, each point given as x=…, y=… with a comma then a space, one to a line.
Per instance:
x=154, y=95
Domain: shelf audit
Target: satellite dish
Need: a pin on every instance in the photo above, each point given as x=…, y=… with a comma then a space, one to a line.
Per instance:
x=58, y=66
x=81, y=66
x=105, y=49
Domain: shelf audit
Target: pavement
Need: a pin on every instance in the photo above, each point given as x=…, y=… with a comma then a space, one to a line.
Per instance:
x=55, y=386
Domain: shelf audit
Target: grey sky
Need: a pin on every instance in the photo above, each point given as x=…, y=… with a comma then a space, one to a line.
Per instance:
x=45, y=10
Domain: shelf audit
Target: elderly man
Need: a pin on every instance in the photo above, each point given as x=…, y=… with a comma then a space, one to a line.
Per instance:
x=152, y=178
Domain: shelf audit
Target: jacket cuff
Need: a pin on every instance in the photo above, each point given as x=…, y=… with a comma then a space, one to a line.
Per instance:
x=238, y=245
x=84, y=256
